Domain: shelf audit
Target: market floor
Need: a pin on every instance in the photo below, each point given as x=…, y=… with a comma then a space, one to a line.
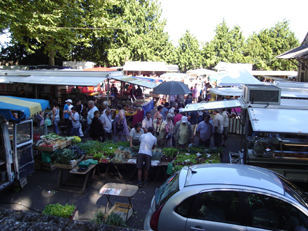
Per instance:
x=41, y=190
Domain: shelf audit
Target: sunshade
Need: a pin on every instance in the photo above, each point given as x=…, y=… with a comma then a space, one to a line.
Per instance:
x=28, y=107
x=237, y=78
x=212, y=105
x=100, y=69
x=172, y=88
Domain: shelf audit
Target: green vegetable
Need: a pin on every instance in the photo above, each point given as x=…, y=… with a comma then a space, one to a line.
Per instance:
x=170, y=152
x=64, y=156
x=112, y=219
x=58, y=210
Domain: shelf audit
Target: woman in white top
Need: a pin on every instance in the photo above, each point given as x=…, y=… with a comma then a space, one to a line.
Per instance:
x=55, y=116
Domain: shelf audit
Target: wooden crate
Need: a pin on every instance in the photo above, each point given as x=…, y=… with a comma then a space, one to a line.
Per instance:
x=51, y=149
x=48, y=166
x=122, y=209
x=69, y=166
x=38, y=164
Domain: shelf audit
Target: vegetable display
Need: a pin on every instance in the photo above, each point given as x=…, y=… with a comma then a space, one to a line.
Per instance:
x=58, y=210
x=170, y=152
x=64, y=156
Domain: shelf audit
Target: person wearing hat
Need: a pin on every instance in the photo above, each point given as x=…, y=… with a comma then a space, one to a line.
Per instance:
x=66, y=110
x=182, y=133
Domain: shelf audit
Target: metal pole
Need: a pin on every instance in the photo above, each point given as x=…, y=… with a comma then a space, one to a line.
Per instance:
x=108, y=89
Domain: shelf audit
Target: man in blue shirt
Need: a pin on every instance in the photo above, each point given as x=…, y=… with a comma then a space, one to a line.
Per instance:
x=165, y=110
x=66, y=116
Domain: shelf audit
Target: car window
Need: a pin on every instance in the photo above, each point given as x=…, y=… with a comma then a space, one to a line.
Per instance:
x=167, y=189
x=222, y=206
x=274, y=214
x=184, y=207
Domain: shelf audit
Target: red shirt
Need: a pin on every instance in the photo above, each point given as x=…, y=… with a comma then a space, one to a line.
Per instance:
x=177, y=118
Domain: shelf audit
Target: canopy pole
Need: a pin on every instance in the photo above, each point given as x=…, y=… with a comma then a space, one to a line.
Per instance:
x=108, y=89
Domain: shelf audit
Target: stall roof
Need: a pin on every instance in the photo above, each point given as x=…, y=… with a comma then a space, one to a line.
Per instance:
x=227, y=91
x=278, y=121
x=236, y=78
x=201, y=72
x=61, y=73
x=145, y=66
x=212, y=105
x=139, y=82
x=29, y=107
x=274, y=73
x=298, y=52
x=58, y=80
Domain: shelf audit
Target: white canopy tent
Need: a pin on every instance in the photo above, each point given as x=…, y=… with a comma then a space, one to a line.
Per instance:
x=201, y=72
x=145, y=66
x=237, y=78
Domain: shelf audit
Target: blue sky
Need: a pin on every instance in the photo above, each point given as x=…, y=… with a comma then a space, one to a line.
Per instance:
x=201, y=17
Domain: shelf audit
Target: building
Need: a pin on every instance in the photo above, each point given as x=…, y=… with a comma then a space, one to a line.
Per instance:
x=299, y=54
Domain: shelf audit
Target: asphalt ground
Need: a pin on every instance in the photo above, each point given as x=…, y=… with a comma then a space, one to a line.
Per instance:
x=41, y=191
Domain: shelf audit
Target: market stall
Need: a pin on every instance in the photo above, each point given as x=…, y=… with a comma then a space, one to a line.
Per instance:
x=17, y=138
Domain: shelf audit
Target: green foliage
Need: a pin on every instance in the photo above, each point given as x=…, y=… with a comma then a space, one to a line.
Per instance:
x=263, y=47
x=98, y=149
x=113, y=219
x=58, y=210
x=64, y=156
x=188, y=52
x=170, y=152
x=44, y=22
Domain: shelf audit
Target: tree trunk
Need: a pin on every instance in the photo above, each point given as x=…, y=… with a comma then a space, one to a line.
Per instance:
x=51, y=58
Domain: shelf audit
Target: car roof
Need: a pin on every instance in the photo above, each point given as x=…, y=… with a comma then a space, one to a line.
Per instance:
x=233, y=174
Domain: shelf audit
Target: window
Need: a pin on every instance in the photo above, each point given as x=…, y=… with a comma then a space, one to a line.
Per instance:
x=168, y=189
x=274, y=214
x=23, y=132
x=185, y=206
x=222, y=206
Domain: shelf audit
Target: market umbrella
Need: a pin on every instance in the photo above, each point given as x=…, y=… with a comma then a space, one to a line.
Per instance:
x=172, y=88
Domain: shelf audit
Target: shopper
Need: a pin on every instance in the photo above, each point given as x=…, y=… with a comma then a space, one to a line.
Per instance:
x=193, y=119
x=158, y=112
x=75, y=122
x=91, y=109
x=226, y=126
x=165, y=110
x=182, y=133
x=169, y=130
x=218, y=126
x=160, y=130
x=113, y=90
x=139, y=92
x=171, y=110
x=55, y=116
x=205, y=131
x=188, y=100
x=66, y=116
x=147, y=122
x=120, y=124
x=106, y=120
x=147, y=144
x=96, y=130
x=135, y=134
x=177, y=116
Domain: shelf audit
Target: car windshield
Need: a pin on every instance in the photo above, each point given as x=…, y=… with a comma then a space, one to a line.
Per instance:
x=167, y=190
x=293, y=191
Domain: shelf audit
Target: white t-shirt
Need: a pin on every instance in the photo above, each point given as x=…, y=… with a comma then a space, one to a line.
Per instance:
x=106, y=121
x=91, y=114
x=226, y=119
x=218, y=122
x=69, y=110
x=76, y=124
x=135, y=135
x=147, y=141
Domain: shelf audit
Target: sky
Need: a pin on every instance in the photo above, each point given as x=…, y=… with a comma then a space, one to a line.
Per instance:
x=201, y=17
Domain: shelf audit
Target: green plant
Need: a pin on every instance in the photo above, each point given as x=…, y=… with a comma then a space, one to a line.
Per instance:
x=64, y=156
x=58, y=210
x=170, y=152
x=111, y=219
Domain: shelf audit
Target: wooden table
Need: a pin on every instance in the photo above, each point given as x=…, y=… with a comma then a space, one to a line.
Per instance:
x=76, y=172
x=119, y=190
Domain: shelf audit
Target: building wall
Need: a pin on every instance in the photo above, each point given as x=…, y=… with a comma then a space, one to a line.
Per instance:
x=303, y=70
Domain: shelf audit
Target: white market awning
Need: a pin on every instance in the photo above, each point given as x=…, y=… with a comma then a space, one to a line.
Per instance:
x=227, y=91
x=58, y=80
x=201, y=72
x=145, y=66
x=135, y=81
x=278, y=120
x=212, y=105
x=61, y=73
x=236, y=78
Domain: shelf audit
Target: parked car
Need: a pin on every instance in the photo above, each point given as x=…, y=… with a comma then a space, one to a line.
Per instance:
x=227, y=197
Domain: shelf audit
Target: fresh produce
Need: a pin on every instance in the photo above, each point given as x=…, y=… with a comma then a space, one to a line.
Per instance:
x=170, y=152
x=76, y=139
x=157, y=154
x=64, y=156
x=58, y=210
x=125, y=144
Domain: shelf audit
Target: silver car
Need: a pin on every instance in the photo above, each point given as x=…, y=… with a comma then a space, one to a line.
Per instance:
x=227, y=197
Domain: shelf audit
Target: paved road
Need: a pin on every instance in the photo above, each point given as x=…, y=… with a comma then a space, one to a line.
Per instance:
x=41, y=190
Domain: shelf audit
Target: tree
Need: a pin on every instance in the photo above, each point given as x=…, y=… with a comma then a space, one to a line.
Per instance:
x=227, y=45
x=54, y=24
x=188, y=51
x=263, y=47
x=144, y=38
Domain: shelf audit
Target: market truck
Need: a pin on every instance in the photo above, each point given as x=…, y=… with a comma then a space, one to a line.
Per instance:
x=274, y=130
x=16, y=138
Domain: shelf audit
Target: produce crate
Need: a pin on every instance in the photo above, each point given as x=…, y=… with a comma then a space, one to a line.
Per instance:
x=99, y=160
x=166, y=159
x=48, y=167
x=122, y=209
x=48, y=149
x=75, y=216
x=69, y=166
x=38, y=164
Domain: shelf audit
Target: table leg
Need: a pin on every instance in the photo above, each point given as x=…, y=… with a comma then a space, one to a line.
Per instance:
x=130, y=205
x=106, y=172
x=133, y=174
x=157, y=174
x=116, y=167
x=85, y=183
x=59, y=178
x=108, y=201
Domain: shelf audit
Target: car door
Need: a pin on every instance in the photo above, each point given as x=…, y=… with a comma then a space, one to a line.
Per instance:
x=217, y=210
x=267, y=212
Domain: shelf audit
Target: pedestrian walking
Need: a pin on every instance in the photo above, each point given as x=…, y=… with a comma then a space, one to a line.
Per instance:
x=120, y=124
x=75, y=122
x=218, y=126
x=106, y=120
x=204, y=131
x=91, y=110
x=226, y=126
x=160, y=130
x=55, y=116
x=182, y=133
x=66, y=109
x=96, y=130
